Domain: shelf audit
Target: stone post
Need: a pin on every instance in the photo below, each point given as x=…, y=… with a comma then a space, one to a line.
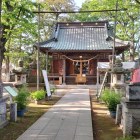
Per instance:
x=13, y=112
x=3, y=119
x=118, y=114
x=1, y=90
x=127, y=124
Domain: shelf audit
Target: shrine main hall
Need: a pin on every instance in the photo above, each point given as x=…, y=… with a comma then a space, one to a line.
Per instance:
x=75, y=48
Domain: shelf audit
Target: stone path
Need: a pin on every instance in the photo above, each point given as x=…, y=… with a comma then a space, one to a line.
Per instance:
x=69, y=119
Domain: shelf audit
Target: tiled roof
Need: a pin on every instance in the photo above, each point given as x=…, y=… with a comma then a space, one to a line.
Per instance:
x=79, y=37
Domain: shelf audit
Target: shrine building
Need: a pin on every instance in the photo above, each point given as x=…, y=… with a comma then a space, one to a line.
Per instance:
x=75, y=49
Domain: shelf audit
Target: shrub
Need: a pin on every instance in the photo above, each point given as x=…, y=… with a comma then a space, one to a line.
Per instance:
x=38, y=95
x=22, y=98
x=111, y=99
x=126, y=138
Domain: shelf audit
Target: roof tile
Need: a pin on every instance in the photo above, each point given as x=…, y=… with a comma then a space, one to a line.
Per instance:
x=82, y=38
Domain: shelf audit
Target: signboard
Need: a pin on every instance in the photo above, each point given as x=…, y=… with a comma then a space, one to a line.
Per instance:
x=46, y=82
x=11, y=91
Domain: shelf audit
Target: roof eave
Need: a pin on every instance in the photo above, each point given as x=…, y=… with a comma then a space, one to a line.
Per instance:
x=75, y=51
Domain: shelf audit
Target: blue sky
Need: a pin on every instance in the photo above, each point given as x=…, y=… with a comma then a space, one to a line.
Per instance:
x=79, y=2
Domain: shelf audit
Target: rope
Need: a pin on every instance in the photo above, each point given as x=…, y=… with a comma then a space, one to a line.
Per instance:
x=80, y=60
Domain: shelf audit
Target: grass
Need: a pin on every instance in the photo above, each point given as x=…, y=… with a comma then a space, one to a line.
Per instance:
x=14, y=129
x=104, y=127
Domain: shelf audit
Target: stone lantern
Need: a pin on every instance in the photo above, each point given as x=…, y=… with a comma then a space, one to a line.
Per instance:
x=117, y=73
x=20, y=73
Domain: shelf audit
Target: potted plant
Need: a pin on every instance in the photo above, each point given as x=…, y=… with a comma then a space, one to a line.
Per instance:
x=111, y=99
x=38, y=95
x=22, y=100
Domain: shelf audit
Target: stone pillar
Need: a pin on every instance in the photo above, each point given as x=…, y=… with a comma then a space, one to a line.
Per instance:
x=1, y=90
x=127, y=124
x=13, y=112
x=118, y=114
x=3, y=119
x=64, y=71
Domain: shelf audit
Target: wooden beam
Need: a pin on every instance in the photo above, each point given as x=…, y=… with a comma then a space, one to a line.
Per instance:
x=88, y=11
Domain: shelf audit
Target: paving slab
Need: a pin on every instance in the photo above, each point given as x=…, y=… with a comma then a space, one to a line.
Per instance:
x=69, y=119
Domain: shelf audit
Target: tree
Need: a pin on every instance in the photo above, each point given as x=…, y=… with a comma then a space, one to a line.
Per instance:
x=48, y=20
x=19, y=26
x=137, y=1
x=127, y=27
x=89, y=17
x=16, y=15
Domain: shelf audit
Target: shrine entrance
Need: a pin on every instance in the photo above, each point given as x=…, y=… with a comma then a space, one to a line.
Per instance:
x=80, y=69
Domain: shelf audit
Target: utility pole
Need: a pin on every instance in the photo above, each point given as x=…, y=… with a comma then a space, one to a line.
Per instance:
x=1, y=86
x=38, y=46
x=113, y=51
x=38, y=49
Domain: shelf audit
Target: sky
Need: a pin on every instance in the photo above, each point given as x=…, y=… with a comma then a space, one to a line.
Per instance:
x=79, y=2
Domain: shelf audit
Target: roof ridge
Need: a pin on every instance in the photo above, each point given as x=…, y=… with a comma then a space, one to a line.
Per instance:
x=73, y=27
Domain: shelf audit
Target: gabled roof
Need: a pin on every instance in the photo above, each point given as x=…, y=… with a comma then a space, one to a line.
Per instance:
x=79, y=36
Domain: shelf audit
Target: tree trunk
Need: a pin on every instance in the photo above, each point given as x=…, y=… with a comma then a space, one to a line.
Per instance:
x=7, y=61
x=2, y=50
x=123, y=57
x=132, y=47
x=132, y=53
x=1, y=91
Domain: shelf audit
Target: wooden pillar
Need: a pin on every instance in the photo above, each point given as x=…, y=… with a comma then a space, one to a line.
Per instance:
x=89, y=67
x=81, y=67
x=47, y=61
x=64, y=71
x=97, y=81
x=52, y=68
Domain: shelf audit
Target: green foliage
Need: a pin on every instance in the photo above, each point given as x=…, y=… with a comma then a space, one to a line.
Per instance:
x=89, y=17
x=22, y=98
x=53, y=89
x=21, y=25
x=111, y=99
x=19, y=29
x=38, y=95
x=126, y=138
x=127, y=22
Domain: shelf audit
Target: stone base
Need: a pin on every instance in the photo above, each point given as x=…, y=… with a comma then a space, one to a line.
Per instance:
x=133, y=92
x=130, y=116
x=3, y=124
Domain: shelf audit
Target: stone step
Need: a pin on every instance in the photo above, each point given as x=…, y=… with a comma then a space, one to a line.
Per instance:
x=76, y=87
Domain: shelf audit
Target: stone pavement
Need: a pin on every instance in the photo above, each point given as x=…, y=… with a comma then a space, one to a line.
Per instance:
x=69, y=119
